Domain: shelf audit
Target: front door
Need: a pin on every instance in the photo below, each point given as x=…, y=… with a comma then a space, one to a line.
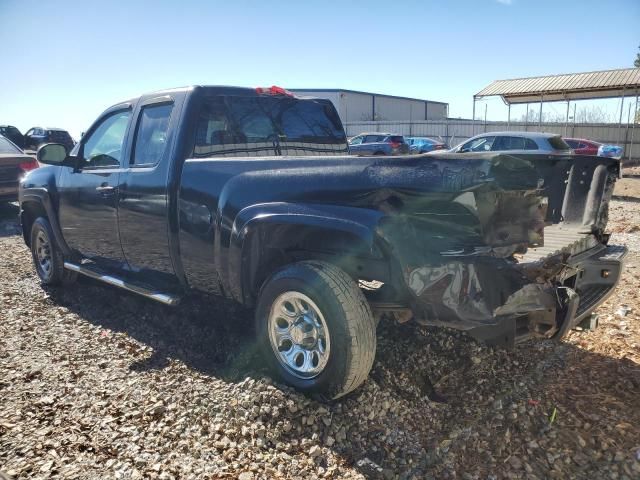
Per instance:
x=89, y=193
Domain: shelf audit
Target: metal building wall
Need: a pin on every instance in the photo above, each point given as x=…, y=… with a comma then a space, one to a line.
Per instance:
x=359, y=107
x=437, y=111
x=389, y=108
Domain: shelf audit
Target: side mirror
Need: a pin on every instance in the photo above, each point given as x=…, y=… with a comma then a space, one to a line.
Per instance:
x=56, y=154
x=463, y=150
x=52, y=154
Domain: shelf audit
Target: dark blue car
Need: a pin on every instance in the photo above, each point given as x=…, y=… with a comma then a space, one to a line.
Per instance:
x=378, y=144
x=424, y=144
x=37, y=136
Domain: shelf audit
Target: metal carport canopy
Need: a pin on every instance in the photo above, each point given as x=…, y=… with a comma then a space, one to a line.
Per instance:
x=571, y=86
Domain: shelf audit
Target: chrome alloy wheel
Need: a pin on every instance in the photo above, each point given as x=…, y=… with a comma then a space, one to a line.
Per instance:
x=299, y=335
x=43, y=253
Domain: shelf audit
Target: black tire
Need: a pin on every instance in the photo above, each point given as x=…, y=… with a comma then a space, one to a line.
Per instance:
x=55, y=274
x=350, y=324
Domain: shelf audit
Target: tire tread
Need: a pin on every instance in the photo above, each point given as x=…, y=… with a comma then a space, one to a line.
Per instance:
x=360, y=322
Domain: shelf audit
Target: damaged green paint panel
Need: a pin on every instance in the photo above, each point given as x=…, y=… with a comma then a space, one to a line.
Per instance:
x=513, y=251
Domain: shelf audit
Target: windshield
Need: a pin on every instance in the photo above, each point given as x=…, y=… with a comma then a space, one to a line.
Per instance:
x=240, y=126
x=7, y=147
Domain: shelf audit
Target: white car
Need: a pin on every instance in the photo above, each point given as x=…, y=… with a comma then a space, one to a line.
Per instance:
x=522, y=142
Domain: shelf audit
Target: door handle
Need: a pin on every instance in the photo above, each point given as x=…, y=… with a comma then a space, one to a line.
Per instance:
x=105, y=189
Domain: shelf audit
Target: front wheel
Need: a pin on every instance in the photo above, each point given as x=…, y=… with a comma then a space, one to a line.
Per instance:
x=315, y=329
x=47, y=256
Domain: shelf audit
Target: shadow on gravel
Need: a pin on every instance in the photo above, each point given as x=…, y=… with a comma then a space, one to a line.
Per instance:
x=496, y=418
x=210, y=335
x=9, y=221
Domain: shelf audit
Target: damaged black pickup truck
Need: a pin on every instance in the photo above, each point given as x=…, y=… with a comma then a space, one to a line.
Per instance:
x=250, y=194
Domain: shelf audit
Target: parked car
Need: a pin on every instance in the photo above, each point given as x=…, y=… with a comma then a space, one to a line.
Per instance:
x=13, y=165
x=610, y=151
x=378, y=144
x=524, y=142
x=249, y=194
x=424, y=144
x=583, y=146
x=13, y=134
x=37, y=136
x=591, y=147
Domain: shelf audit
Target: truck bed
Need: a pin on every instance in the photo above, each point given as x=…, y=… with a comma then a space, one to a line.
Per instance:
x=561, y=238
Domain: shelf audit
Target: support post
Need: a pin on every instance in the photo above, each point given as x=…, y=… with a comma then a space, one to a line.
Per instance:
x=485, y=118
x=573, y=128
x=566, y=121
x=626, y=133
x=633, y=128
x=540, y=114
x=473, y=118
x=620, y=121
x=526, y=119
x=509, y=117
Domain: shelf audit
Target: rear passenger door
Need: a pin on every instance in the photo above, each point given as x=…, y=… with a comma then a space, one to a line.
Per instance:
x=507, y=143
x=371, y=144
x=143, y=204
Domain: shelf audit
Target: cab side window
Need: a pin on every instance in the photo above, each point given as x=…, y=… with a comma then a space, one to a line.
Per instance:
x=151, y=134
x=103, y=147
x=356, y=140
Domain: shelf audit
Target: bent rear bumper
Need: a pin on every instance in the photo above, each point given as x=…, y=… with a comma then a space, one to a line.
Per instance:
x=598, y=276
x=503, y=303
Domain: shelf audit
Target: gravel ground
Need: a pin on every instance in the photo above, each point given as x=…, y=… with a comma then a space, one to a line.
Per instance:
x=97, y=383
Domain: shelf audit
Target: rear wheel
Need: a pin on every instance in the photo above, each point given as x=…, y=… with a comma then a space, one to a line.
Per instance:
x=47, y=256
x=315, y=329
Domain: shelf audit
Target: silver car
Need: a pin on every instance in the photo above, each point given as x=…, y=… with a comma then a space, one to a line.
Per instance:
x=517, y=142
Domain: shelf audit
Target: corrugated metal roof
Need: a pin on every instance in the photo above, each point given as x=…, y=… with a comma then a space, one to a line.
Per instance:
x=606, y=83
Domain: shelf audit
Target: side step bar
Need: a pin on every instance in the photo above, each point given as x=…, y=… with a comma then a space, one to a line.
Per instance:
x=166, y=298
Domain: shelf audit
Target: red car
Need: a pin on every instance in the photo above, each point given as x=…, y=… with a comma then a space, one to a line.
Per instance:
x=583, y=146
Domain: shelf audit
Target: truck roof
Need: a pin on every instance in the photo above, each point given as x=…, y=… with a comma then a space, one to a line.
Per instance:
x=209, y=89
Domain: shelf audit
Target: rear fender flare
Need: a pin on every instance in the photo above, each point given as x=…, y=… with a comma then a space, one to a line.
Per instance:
x=354, y=223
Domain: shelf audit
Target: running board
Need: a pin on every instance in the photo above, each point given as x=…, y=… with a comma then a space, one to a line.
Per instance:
x=166, y=298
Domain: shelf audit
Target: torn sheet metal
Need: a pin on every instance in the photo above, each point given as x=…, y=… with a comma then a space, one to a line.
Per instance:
x=468, y=293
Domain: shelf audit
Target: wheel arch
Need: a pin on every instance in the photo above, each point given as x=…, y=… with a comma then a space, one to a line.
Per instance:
x=265, y=240
x=36, y=202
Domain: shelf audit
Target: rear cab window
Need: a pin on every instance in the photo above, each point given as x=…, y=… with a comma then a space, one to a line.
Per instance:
x=229, y=125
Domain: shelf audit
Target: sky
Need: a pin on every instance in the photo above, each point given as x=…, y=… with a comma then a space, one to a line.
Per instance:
x=64, y=62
